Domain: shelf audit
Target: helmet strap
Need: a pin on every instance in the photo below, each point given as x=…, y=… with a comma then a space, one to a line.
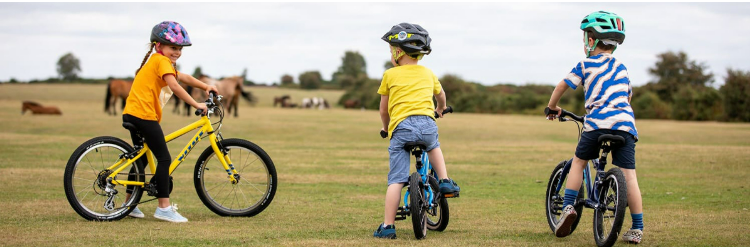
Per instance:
x=589, y=49
x=396, y=55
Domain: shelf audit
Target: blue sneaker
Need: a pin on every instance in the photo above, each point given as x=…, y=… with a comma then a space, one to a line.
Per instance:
x=448, y=186
x=388, y=231
x=169, y=214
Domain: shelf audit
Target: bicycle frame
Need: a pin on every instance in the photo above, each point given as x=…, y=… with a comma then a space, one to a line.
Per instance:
x=204, y=127
x=423, y=171
x=589, y=186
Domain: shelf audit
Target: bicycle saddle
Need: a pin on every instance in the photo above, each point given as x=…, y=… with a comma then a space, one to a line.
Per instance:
x=411, y=145
x=614, y=140
x=129, y=126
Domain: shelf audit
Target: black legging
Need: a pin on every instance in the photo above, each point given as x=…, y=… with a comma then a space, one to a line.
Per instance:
x=151, y=131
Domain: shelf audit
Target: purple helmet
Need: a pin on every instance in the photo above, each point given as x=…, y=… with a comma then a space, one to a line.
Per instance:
x=170, y=32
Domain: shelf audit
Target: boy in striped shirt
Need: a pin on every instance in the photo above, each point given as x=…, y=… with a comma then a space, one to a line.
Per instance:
x=608, y=92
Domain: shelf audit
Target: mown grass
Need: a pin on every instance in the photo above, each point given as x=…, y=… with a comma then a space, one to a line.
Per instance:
x=332, y=170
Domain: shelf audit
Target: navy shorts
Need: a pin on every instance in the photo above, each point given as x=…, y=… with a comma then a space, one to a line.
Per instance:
x=413, y=128
x=623, y=156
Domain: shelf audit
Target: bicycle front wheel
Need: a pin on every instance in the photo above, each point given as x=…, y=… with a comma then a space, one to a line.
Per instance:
x=438, y=214
x=554, y=199
x=416, y=204
x=610, y=213
x=85, y=180
x=256, y=179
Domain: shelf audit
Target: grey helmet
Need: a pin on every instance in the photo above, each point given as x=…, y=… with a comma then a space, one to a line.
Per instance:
x=411, y=38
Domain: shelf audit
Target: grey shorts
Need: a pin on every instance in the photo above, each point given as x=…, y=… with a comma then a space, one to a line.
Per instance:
x=413, y=128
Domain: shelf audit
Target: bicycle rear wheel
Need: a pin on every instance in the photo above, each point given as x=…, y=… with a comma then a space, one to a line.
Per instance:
x=416, y=205
x=610, y=213
x=438, y=215
x=85, y=180
x=256, y=181
x=554, y=199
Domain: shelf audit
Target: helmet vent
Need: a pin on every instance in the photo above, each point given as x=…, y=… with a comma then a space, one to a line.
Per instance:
x=600, y=20
x=606, y=27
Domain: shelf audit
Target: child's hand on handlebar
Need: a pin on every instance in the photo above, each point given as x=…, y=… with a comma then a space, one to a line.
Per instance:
x=202, y=107
x=210, y=88
x=439, y=110
x=556, y=114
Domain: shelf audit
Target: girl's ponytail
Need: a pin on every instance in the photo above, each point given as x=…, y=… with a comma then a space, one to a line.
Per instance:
x=150, y=49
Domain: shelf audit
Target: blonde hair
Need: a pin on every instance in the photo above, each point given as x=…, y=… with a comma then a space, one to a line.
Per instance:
x=150, y=49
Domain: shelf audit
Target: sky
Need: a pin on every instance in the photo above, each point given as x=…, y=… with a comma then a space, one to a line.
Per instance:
x=487, y=43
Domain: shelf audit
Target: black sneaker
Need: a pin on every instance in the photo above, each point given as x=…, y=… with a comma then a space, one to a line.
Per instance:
x=388, y=231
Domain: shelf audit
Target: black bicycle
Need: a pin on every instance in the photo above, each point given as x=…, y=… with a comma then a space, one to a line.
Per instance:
x=607, y=193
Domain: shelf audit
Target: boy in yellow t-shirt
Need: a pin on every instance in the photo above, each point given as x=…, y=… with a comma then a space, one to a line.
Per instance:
x=406, y=110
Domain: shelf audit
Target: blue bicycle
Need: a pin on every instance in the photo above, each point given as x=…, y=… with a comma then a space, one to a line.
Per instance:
x=607, y=193
x=423, y=201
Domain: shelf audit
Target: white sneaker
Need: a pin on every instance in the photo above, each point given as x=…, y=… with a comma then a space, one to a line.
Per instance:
x=567, y=218
x=136, y=213
x=169, y=214
x=633, y=236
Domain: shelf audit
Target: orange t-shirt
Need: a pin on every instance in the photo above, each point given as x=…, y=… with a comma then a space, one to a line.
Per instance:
x=150, y=92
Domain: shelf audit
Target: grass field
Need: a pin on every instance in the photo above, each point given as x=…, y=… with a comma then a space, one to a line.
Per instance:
x=332, y=168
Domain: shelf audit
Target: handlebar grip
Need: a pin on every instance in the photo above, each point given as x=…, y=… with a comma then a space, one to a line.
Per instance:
x=198, y=112
x=447, y=110
x=383, y=133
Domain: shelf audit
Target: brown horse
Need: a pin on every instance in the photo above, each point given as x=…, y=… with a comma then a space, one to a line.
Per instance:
x=231, y=89
x=351, y=103
x=36, y=108
x=280, y=100
x=116, y=89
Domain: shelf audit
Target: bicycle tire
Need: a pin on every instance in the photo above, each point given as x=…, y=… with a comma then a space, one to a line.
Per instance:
x=441, y=212
x=416, y=205
x=554, y=199
x=605, y=231
x=85, y=178
x=256, y=185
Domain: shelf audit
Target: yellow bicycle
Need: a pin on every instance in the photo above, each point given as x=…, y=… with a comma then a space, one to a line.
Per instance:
x=233, y=177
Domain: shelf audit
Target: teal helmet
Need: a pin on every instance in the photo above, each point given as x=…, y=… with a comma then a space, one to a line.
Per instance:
x=605, y=26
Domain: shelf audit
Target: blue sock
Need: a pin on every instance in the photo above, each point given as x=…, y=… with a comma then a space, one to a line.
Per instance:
x=570, y=197
x=637, y=221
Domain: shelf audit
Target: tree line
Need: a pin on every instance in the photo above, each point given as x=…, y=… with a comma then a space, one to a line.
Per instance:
x=683, y=90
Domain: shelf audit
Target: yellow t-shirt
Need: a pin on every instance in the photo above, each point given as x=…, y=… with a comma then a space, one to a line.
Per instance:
x=150, y=92
x=410, y=89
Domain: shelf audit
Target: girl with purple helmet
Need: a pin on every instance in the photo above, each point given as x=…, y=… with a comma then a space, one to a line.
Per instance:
x=155, y=82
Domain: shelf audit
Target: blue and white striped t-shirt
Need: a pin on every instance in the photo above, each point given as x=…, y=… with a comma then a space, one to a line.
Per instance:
x=607, y=88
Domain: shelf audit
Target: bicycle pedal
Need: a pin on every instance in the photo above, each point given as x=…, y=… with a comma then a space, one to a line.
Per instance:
x=451, y=195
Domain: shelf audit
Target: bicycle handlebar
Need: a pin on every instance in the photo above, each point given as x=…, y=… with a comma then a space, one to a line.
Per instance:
x=384, y=133
x=209, y=103
x=564, y=114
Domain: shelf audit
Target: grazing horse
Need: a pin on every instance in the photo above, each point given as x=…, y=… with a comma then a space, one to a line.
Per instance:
x=280, y=100
x=36, y=108
x=315, y=102
x=116, y=89
x=351, y=103
x=231, y=89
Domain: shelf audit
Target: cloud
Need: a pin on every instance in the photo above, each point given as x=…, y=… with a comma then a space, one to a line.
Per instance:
x=482, y=42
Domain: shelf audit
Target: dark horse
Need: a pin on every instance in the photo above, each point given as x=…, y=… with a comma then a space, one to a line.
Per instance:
x=116, y=89
x=36, y=108
x=281, y=100
x=351, y=103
